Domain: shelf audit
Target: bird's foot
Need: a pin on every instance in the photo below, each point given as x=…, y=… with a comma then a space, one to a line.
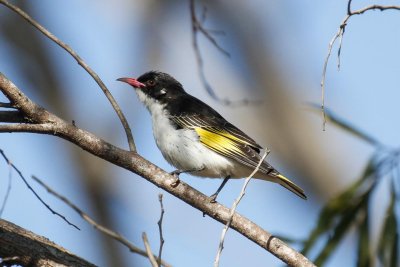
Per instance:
x=176, y=182
x=213, y=198
x=176, y=174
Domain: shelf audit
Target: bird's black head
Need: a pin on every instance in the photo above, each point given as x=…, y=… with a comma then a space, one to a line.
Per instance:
x=158, y=85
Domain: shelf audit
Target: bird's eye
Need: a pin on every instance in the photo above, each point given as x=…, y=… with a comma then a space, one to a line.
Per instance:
x=151, y=82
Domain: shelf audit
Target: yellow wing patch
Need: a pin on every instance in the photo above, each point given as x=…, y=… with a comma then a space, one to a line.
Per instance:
x=231, y=136
x=219, y=142
x=215, y=126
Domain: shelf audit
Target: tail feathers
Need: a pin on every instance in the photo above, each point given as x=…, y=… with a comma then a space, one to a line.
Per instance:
x=285, y=182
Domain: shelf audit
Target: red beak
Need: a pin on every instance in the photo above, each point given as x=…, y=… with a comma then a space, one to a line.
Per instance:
x=135, y=83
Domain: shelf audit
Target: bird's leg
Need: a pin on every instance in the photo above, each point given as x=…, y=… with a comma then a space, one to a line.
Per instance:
x=177, y=172
x=214, y=196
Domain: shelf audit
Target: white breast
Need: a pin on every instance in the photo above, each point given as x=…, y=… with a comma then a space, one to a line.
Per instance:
x=182, y=148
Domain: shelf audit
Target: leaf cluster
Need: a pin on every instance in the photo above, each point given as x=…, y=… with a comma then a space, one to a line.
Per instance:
x=351, y=210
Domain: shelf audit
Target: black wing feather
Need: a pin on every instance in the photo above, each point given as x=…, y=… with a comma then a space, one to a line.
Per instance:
x=190, y=112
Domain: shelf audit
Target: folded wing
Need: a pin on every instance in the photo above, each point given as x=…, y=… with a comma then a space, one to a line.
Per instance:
x=224, y=138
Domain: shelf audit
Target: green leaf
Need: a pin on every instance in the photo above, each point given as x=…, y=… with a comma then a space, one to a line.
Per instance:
x=388, y=243
x=348, y=218
x=334, y=209
x=330, y=116
x=363, y=257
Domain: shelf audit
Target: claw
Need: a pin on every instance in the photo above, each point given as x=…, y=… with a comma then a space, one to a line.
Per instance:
x=176, y=173
x=213, y=198
x=176, y=182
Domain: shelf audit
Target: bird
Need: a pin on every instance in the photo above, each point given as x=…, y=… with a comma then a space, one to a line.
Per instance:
x=196, y=139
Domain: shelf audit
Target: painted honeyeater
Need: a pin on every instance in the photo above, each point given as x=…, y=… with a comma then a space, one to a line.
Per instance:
x=196, y=139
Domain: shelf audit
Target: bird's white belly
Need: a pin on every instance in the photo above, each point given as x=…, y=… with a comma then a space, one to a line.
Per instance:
x=182, y=149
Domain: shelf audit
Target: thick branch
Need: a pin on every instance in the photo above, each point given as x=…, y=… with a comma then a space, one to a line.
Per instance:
x=134, y=162
x=22, y=247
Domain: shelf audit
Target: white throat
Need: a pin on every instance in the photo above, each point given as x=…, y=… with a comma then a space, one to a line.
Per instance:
x=161, y=123
x=150, y=103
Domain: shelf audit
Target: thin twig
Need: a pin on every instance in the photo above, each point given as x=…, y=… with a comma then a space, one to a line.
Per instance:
x=3, y=206
x=197, y=27
x=148, y=250
x=349, y=7
x=339, y=34
x=24, y=127
x=34, y=192
x=160, y=199
x=340, y=50
x=6, y=105
x=234, y=206
x=12, y=117
x=324, y=76
x=118, y=237
x=82, y=63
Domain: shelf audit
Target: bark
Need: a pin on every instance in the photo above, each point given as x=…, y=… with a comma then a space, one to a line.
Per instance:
x=22, y=247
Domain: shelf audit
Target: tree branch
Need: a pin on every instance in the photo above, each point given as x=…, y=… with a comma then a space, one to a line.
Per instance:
x=34, y=192
x=198, y=28
x=12, y=117
x=8, y=190
x=5, y=105
x=132, y=161
x=22, y=247
x=339, y=34
x=116, y=236
x=159, y=223
x=150, y=254
x=82, y=63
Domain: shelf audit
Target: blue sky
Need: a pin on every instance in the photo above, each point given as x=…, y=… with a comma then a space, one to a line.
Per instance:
x=113, y=38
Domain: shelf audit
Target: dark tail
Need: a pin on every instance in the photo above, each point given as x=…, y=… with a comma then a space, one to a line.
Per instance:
x=285, y=182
